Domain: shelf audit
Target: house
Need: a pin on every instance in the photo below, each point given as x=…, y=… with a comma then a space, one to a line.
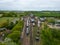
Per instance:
x=14, y=20
x=57, y=23
x=2, y=29
x=42, y=19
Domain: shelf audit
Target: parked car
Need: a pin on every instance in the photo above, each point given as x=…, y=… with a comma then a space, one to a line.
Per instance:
x=37, y=38
x=27, y=31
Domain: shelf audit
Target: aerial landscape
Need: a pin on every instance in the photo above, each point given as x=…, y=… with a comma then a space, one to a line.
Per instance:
x=29, y=28
x=29, y=22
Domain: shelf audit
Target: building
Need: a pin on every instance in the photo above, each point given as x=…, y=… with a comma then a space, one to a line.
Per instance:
x=42, y=19
x=2, y=29
x=57, y=23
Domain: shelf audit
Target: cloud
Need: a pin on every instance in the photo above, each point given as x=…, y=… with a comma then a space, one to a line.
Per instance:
x=29, y=4
x=4, y=1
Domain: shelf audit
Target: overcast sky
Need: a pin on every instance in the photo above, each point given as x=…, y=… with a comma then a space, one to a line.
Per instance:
x=30, y=5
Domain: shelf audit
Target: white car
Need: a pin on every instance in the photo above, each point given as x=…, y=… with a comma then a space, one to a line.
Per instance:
x=33, y=24
x=27, y=31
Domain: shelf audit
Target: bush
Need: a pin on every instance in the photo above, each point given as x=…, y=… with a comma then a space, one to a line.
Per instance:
x=15, y=36
x=16, y=32
x=18, y=26
x=50, y=36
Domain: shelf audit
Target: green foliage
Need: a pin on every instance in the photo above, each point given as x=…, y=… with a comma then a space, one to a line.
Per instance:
x=9, y=14
x=3, y=24
x=51, y=21
x=36, y=13
x=13, y=14
x=4, y=21
x=16, y=32
x=7, y=41
x=15, y=36
x=10, y=25
x=18, y=26
x=50, y=36
x=56, y=34
x=46, y=13
x=2, y=43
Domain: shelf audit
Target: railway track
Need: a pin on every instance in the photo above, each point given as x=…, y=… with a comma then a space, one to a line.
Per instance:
x=26, y=39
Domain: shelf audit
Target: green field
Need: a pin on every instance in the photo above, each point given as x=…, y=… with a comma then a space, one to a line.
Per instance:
x=46, y=13
x=4, y=20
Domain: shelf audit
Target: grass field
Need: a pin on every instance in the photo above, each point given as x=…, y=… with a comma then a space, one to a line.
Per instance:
x=47, y=13
x=4, y=20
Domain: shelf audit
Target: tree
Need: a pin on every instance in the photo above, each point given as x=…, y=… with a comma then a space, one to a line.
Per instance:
x=8, y=41
x=10, y=25
x=50, y=36
x=15, y=36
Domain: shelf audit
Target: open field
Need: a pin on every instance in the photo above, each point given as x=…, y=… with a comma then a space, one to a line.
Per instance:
x=47, y=13
x=4, y=20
